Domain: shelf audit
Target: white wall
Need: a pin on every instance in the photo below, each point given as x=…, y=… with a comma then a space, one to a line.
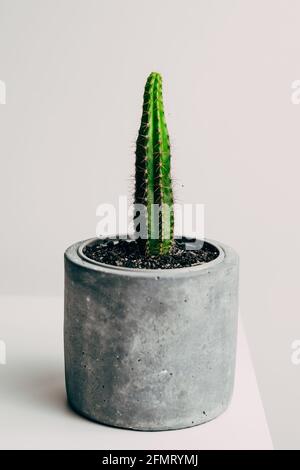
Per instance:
x=74, y=72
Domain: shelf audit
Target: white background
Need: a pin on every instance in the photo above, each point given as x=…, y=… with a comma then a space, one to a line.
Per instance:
x=74, y=73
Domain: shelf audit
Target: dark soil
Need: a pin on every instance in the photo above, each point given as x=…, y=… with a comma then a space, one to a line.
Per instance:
x=126, y=253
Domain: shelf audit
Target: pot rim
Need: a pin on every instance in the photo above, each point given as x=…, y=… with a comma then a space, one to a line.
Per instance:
x=159, y=272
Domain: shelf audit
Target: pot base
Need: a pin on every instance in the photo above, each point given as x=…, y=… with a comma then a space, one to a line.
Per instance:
x=179, y=426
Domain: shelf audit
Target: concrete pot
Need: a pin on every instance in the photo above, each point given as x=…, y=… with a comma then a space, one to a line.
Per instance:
x=150, y=349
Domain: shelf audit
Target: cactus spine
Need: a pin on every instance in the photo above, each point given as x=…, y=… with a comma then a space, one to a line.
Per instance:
x=153, y=184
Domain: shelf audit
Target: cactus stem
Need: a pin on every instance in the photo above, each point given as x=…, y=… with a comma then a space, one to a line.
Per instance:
x=153, y=179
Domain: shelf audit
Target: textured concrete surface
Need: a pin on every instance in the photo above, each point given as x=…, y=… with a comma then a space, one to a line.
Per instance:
x=150, y=350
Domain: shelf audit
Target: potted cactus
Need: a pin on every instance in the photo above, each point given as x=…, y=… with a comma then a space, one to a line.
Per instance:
x=150, y=321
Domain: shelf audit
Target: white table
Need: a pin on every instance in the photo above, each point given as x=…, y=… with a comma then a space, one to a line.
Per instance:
x=33, y=410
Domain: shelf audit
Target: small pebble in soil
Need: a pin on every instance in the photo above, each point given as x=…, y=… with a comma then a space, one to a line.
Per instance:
x=126, y=253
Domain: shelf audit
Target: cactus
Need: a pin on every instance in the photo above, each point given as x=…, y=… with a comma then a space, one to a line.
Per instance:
x=153, y=183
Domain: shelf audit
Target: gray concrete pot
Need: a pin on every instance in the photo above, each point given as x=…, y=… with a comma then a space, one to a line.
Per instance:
x=150, y=349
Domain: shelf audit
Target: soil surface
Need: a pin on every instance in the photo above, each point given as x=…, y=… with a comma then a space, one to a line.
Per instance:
x=126, y=253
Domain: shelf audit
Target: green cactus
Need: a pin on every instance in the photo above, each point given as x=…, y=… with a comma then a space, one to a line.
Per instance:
x=153, y=183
